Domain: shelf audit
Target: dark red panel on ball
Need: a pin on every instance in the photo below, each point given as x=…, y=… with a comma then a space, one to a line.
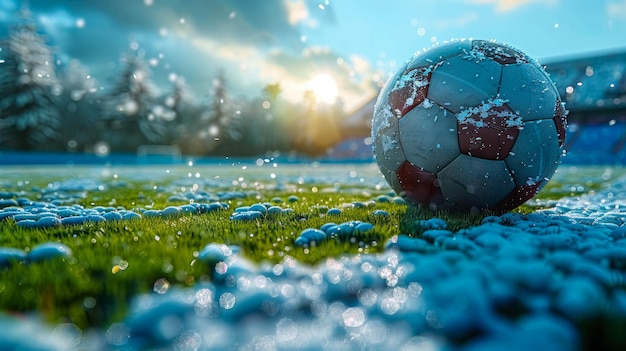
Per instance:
x=410, y=90
x=486, y=134
x=419, y=185
x=518, y=196
x=560, y=119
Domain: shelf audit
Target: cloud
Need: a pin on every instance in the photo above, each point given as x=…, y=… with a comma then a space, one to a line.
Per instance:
x=353, y=74
x=237, y=20
x=253, y=42
x=617, y=9
x=509, y=5
x=297, y=11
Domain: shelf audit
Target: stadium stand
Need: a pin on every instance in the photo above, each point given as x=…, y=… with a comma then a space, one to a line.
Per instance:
x=594, y=90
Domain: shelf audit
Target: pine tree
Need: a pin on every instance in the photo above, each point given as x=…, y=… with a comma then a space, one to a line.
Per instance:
x=28, y=89
x=132, y=112
x=214, y=126
x=181, y=98
x=224, y=119
x=184, y=112
x=78, y=107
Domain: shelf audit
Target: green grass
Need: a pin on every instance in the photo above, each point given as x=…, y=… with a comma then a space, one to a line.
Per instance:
x=87, y=290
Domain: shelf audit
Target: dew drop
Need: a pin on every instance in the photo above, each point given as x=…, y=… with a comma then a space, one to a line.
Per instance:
x=118, y=334
x=161, y=286
x=353, y=317
x=227, y=300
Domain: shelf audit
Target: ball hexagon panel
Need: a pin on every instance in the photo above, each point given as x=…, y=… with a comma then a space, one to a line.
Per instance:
x=455, y=87
x=433, y=56
x=469, y=182
x=419, y=186
x=535, y=156
x=386, y=140
x=428, y=137
x=528, y=91
x=409, y=90
x=502, y=54
x=489, y=130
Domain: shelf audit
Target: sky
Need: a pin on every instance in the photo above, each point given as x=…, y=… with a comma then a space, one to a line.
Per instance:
x=341, y=49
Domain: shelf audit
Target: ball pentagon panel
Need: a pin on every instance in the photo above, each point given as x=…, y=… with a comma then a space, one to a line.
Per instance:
x=489, y=130
x=518, y=196
x=409, y=90
x=501, y=53
x=418, y=186
x=429, y=136
x=560, y=120
x=382, y=102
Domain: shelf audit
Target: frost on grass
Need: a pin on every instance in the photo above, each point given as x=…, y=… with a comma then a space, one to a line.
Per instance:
x=559, y=267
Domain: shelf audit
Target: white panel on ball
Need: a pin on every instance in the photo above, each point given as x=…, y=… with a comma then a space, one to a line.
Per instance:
x=474, y=182
x=428, y=136
x=536, y=153
x=435, y=55
x=455, y=87
x=386, y=140
x=528, y=91
x=391, y=176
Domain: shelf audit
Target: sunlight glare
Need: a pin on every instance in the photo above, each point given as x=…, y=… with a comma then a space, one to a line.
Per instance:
x=325, y=88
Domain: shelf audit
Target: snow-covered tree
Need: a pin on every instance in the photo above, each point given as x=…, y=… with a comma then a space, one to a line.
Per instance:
x=185, y=113
x=28, y=89
x=224, y=118
x=212, y=126
x=132, y=111
x=78, y=107
x=181, y=98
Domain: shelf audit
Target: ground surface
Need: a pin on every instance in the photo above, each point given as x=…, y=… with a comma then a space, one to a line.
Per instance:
x=133, y=257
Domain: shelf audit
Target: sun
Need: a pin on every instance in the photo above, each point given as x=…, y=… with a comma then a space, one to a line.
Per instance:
x=325, y=88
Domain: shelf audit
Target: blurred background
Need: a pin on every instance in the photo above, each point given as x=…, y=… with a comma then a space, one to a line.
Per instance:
x=154, y=80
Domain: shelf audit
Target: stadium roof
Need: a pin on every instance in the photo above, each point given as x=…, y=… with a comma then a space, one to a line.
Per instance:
x=591, y=83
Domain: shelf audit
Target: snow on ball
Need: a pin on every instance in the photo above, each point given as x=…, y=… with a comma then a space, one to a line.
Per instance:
x=469, y=125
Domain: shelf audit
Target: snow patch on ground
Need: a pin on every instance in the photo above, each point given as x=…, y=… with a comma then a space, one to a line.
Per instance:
x=515, y=280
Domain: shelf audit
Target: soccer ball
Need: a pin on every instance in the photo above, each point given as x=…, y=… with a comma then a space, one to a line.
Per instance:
x=469, y=125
